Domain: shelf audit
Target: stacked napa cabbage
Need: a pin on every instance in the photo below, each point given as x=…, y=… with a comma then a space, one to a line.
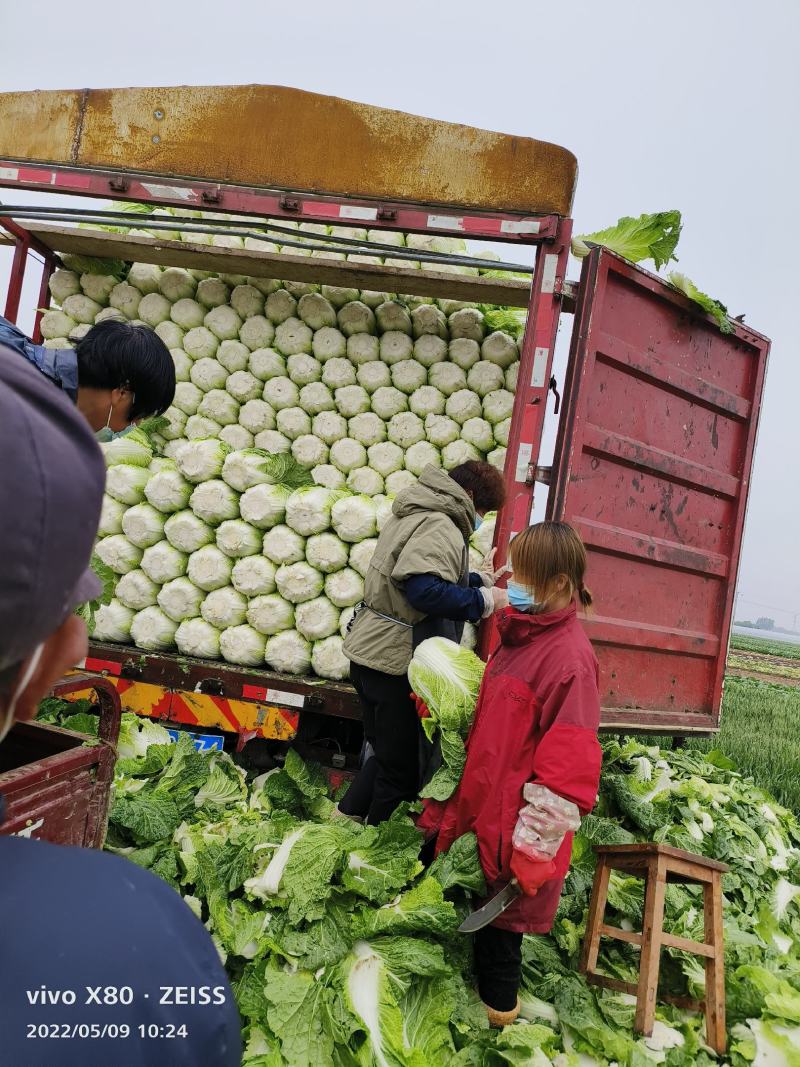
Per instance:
x=243, y=527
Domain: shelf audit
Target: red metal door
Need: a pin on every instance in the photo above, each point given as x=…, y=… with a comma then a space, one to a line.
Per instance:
x=652, y=467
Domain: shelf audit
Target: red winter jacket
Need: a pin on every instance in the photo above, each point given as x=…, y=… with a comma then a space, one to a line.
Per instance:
x=536, y=720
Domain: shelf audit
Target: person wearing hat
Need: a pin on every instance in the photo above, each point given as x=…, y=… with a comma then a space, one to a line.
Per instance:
x=117, y=374
x=75, y=919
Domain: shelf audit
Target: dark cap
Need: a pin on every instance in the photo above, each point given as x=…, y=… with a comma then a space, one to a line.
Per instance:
x=52, y=477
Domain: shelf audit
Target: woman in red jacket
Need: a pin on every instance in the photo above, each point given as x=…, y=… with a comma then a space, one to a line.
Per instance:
x=534, y=739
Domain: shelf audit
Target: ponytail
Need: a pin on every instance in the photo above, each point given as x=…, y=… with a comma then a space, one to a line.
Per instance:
x=585, y=597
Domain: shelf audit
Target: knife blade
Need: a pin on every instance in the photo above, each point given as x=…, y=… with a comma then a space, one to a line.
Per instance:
x=493, y=908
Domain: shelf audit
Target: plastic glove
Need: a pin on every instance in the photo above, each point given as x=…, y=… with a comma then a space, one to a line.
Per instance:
x=499, y=598
x=489, y=574
x=494, y=599
x=530, y=872
x=552, y=814
x=423, y=710
x=544, y=821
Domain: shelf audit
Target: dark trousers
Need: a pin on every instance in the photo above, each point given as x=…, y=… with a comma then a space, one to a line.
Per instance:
x=391, y=726
x=498, y=961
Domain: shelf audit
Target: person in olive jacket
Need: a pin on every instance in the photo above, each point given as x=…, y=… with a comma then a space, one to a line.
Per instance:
x=418, y=586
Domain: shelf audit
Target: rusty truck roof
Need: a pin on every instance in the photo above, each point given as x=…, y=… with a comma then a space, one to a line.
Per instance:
x=278, y=137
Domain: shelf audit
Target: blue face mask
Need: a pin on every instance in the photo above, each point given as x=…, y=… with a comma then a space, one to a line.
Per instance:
x=477, y=522
x=107, y=434
x=519, y=597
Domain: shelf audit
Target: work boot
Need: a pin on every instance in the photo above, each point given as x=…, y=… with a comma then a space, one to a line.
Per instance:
x=499, y=1019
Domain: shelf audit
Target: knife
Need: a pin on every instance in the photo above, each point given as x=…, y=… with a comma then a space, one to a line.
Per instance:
x=492, y=909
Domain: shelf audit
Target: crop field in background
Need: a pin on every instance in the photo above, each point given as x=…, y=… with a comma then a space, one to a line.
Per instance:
x=754, y=665
x=761, y=715
x=761, y=732
x=768, y=661
x=781, y=649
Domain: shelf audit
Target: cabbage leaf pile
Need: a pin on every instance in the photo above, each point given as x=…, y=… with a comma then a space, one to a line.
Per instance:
x=343, y=949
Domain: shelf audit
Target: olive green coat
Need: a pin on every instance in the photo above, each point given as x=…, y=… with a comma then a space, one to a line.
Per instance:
x=427, y=533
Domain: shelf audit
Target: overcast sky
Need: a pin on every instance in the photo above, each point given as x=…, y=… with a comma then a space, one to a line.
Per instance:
x=690, y=105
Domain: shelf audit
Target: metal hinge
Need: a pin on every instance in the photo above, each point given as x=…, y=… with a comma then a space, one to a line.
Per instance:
x=538, y=474
x=568, y=291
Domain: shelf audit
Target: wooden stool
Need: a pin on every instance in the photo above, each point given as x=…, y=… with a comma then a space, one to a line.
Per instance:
x=658, y=865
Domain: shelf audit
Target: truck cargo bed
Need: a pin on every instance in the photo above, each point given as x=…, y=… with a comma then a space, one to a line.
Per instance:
x=244, y=701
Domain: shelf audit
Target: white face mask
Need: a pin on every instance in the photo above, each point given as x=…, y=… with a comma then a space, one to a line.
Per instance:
x=28, y=673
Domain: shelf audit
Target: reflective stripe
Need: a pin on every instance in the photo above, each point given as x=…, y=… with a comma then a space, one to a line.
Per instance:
x=549, y=272
x=169, y=192
x=526, y=226
x=539, y=368
x=445, y=222
x=353, y=211
x=389, y=618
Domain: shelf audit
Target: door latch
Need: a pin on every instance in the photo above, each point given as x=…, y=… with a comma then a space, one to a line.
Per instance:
x=553, y=387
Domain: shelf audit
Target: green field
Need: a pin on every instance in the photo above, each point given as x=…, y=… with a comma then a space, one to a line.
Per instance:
x=761, y=732
x=761, y=719
x=783, y=668
x=784, y=649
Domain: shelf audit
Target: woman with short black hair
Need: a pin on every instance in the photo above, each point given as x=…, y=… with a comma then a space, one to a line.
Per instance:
x=125, y=373
x=117, y=374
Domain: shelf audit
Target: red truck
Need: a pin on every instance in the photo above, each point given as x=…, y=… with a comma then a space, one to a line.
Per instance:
x=659, y=410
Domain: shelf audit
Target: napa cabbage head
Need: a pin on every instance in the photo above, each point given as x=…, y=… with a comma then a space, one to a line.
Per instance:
x=328, y=659
x=201, y=460
x=447, y=678
x=395, y=989
x=308, y=510
x=242, y=645
x=137, y=733
x=134, y=447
